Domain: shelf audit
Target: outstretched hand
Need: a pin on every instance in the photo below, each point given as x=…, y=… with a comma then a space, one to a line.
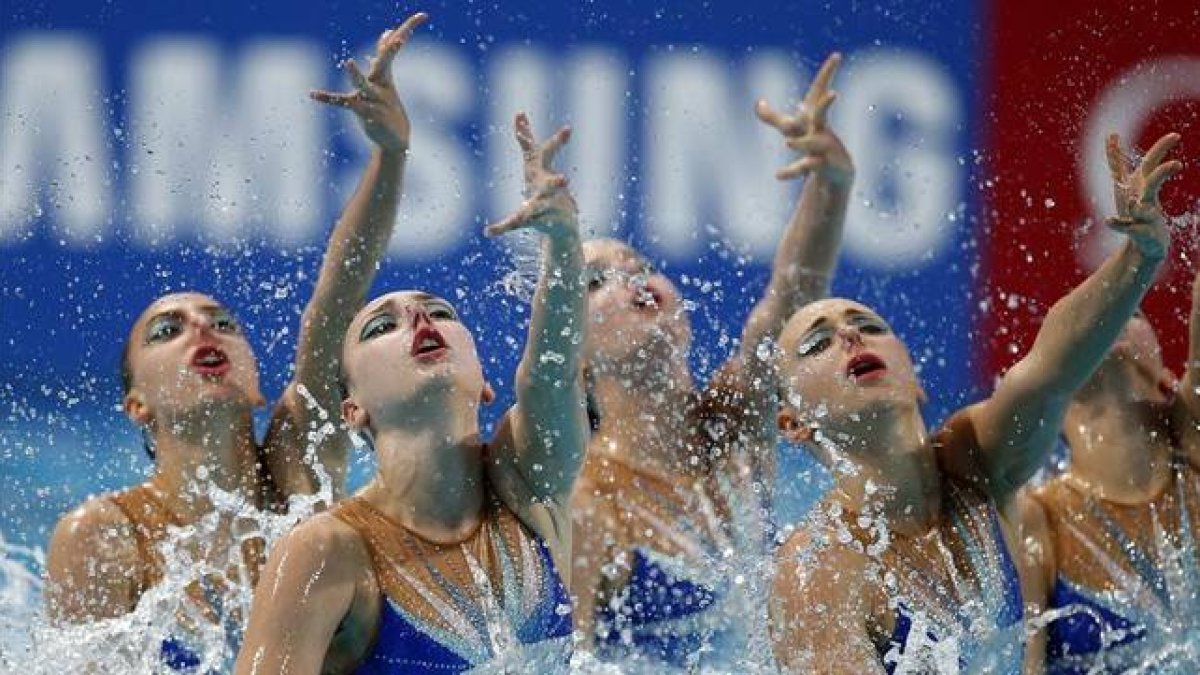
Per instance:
x=374, y=99
x=1139, y=214
x=808, y=131
x=549, y=207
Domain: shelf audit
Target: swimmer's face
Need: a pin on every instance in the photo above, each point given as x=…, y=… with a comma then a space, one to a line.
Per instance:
x=404, y=346
x=840, y=357
x=630, y=305
x=187, y=350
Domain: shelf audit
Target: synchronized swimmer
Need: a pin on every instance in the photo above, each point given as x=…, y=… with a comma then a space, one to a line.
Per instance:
x=595, y=518
x=191, y=385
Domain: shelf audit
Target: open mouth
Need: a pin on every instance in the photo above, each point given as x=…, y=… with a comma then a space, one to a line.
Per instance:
x=428, y=344
x=865, y=367
x=210, y=361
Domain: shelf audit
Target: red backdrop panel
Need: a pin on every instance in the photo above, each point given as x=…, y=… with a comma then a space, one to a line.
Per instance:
x=1061, y=76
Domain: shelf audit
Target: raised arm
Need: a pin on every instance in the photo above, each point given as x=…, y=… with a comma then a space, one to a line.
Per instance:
x=541, y=443
x=806, y=256
x=744, y=389
x=352, y=256
x=1017, y=426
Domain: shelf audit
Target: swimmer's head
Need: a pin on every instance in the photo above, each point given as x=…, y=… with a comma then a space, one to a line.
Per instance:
x=634, y=312
x=1133, y=366
x=839, y=361
x=404, y=352
x=185, y=352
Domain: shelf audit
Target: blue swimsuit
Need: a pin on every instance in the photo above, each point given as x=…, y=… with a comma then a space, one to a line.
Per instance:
x=983, y=624
x=662, y=612
x=669, y=609
x=448, y=608
x=1128, y=576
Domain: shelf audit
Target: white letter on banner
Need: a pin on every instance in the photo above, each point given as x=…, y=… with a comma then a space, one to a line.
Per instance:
x=224, y=162
x=899, y=116
x=709, y=161
x=52, y=124
x=589, y=93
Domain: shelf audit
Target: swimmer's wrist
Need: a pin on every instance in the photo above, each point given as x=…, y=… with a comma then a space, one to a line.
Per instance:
x=398, y=152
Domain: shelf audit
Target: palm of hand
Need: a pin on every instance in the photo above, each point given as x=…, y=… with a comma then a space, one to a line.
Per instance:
x=1135, y=189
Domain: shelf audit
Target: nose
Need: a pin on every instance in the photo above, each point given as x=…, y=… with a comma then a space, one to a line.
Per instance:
x=202, y=323
x=850, y=336
x=418, y=315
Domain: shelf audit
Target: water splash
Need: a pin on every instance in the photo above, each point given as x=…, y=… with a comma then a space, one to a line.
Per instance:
x=204, y=555
x=21, y=571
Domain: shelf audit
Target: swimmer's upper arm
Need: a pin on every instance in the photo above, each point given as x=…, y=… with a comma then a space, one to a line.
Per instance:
x=296, y=424
x=307, y=589
x=820, y=608
x=1017, y=426
x=525, y=481
x=93, y=564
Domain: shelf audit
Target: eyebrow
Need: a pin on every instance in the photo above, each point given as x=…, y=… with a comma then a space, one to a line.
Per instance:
x=417, y=296
x=210, y=308
x=850, y=312
x=821, y=321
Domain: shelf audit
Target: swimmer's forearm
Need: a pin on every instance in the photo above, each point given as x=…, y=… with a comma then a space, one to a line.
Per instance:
x=805, y=259
x=356, y=246
x=807, y=256
x=555, y=345
x=548, y=387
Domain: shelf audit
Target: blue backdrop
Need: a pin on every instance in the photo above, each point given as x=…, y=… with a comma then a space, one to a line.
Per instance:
x=150, y=147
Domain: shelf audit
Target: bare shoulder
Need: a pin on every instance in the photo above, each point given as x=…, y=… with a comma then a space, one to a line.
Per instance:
x=327, y=542
x=96, y=528
x=93, y=565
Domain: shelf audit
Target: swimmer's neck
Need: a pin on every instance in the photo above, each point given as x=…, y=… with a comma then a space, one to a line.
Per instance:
x=1119, y=449
x=199, y=451
x=643, y=414
x=431, y=479
x=890, y=468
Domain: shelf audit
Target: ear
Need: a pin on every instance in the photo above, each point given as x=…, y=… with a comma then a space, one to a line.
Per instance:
x=136, y=408
x=356, y=417
x=488, y=394
x=792, y=427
